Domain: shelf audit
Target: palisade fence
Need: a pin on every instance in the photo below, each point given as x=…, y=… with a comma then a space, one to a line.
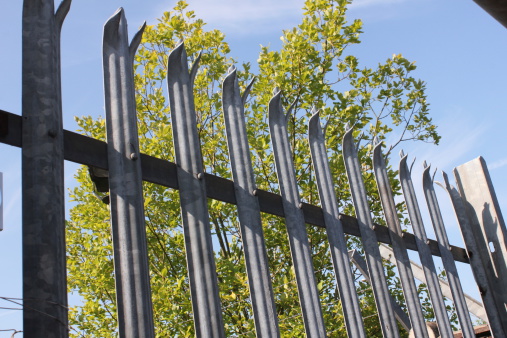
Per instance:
x=45, y=146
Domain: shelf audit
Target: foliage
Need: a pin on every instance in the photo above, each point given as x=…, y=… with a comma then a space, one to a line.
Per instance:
x=312, y=66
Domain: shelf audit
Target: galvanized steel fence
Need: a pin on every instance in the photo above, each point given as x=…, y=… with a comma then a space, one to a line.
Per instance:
x=45, y=144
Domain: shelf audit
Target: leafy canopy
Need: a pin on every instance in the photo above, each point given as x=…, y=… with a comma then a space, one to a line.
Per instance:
x=313, y=66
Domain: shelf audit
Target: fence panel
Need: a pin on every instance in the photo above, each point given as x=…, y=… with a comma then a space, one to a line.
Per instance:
x=45, y=145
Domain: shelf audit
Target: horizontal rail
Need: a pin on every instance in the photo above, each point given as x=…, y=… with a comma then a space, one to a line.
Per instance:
x=89, y=151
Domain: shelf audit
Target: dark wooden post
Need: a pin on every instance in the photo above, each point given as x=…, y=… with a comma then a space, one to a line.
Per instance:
x=44, y=271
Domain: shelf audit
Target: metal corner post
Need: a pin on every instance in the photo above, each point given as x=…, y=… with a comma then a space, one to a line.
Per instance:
x=44, y=267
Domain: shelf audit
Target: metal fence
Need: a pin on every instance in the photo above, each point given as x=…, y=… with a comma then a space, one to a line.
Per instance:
x=45, y=146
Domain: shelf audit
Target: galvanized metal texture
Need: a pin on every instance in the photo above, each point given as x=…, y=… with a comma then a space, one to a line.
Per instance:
x=495, y=308
x=400, y=250
x=430, y=271
x=449, y=265
x=401, y=316
x=194, y=209
x=474, y=306
x=256, y=260
x=476, y=189
x=334, y=230
x=295, y=222
x=370, y=244
x=43, y=206
x=133, y=294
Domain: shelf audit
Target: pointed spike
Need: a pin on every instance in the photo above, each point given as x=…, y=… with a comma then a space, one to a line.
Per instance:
x=446, y=180
x=112, y=26
x=402, y=153
x=427, y=179
x=375, y=140
x=440, y=185
x=276, y=90
x=291, y=108
x=275, y=109
x=61, y=13
x=359, y=139
x=348, y=141
x=314, y=125
x=136, y=41
x=324, y=129
x=425, y=165
x=248, y=88
x=412, y=165
x=347, y=126
x=434, y=173
x=193, y=70
x=377, y=147
x=230, y=80
x=177, y=61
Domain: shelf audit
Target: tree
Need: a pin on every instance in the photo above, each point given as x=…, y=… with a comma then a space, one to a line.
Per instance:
x=313, y=66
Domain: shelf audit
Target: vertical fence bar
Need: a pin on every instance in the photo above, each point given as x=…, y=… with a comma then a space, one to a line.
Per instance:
x=398, y=244
x=495, y=307
x=437, y=300
x=295, y=222
x=194, y=208
x=44, y=268
x=334, y=230
x=256, y=259
x=443, y=245
x=134, y=306
x=370, y=244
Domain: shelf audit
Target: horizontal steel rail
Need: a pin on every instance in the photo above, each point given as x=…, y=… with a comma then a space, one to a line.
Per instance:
x=89, y=151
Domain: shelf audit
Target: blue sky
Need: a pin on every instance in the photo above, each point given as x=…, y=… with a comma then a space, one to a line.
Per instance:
x=459, y=49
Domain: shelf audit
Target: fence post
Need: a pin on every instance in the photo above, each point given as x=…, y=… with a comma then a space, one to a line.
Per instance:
x=484, y=231
x=194, y=204
x=486, y=220
x=44, y=269
x=135, y=312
